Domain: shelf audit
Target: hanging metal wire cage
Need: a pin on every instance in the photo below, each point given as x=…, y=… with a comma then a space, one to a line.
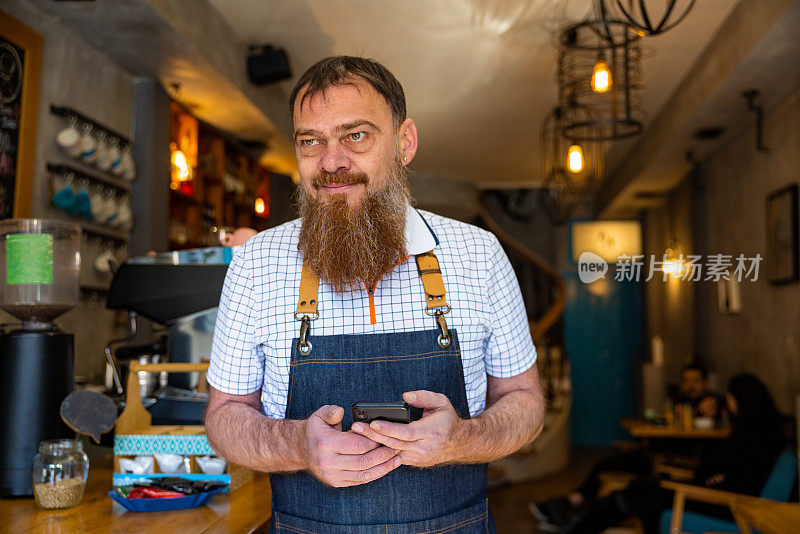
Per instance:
x=646, y=17
x=563, y=189
x=618, y=110
x=555, y=144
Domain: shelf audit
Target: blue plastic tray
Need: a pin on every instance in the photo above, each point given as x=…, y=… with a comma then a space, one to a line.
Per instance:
x=164, y=504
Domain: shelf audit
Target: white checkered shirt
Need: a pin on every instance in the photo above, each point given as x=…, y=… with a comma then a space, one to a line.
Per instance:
x=255, y=324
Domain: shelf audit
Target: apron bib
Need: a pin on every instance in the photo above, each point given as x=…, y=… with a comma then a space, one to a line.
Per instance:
x=344, y=369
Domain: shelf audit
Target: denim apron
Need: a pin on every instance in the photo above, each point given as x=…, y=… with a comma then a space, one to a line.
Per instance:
x=344, y=369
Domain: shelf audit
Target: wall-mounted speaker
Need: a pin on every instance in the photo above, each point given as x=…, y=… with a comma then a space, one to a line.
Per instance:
x=266, y=64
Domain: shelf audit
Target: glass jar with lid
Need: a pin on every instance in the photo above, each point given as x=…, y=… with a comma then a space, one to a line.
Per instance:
x=59, y=473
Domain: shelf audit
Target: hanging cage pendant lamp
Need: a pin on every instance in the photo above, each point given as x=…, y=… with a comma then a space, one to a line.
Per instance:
x=646, y=17
x=562, y=151
x=599, y=69
x=570, y=167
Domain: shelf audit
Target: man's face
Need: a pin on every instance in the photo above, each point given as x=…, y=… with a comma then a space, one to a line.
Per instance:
x=345, y=141
x=692, y=383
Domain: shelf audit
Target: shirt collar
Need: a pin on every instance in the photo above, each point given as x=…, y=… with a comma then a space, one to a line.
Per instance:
x=419, y=236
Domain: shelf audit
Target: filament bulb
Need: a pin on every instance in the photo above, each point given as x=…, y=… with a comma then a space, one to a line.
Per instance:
x=575, y=159
x=601, y=77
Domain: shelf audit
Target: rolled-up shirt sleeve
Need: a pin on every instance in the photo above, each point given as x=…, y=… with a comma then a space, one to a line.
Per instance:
x=509, y=349
x=237, y=362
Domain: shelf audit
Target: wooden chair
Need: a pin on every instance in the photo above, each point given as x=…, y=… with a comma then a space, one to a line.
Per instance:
x=698, y=493
x=777, y=488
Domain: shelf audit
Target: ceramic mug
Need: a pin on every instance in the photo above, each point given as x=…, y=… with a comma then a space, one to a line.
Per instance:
x=130, y=169
x=100, y=150
x=111, y=155
x=104, y=260
x=82, y=207
x=111, y=221
x=69, y=138
x=124, y=161
x=106, y=207
x=124, y=218
x=96, y=200
x=64, y=198
x=88, y=145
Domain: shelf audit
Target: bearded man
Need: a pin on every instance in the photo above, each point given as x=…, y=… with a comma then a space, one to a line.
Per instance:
x=365, y=298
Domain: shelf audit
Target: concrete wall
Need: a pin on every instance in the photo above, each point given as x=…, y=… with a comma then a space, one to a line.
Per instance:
x=76, y=75
x=721, y=208
x=445, y=196
x=670, y=303
x=765, y=337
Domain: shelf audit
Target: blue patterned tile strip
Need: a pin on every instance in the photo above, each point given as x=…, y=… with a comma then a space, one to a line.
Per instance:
x=195, y=444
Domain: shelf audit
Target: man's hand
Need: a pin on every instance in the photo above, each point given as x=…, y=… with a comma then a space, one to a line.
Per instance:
x=343, y=458
x=432, y=440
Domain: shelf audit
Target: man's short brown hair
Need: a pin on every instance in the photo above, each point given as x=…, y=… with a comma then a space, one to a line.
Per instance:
x=345, y=70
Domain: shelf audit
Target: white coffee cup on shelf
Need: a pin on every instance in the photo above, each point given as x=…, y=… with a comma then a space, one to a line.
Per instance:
x=69, y=138
x=100, y=151
x=110, y=155
x=129, y=172
x=126, y=159
x=104, y=260
x=88, y=144
x=124, y=220
x=96, y=201
x=113, y=219
x=107, y=208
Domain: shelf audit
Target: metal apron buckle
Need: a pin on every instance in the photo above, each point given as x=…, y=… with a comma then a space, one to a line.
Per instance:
x=303, y=344
x=444, y=338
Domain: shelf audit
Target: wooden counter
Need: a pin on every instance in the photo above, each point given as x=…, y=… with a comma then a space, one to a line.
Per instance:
x=244, y=511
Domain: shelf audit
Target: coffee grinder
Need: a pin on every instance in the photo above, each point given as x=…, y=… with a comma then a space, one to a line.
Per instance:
x=39, y=280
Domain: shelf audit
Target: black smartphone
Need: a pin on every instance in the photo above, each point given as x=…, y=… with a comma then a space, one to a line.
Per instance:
x=394, y=411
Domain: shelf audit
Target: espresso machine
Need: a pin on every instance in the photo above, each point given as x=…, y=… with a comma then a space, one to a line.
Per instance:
x=179, y=290
x=39, y=280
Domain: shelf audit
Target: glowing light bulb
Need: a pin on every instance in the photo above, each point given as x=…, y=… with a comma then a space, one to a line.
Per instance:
x=182, y=171
x=601, y=77
x=260, y=207
x=673, y=267
x=575, y=159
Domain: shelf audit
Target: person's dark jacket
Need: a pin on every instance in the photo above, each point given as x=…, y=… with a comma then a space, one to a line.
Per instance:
x=743, y=463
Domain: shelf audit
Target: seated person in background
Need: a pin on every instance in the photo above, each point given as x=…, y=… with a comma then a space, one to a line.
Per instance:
x=693, y=390
x=237, y=237
x=742, y=465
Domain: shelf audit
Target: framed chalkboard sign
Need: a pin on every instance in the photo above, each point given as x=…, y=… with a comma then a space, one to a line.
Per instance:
x=20, y=66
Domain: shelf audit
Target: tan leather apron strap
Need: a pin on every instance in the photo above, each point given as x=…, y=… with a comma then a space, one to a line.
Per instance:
x=308, y=294
x=435, y=302
x=431, y=276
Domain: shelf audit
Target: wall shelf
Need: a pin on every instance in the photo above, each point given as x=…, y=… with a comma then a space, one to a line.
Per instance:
x=61, y=168
x=108, y=233
x=65, y=111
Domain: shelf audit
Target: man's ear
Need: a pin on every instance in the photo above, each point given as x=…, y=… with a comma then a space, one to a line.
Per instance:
x=407, y=134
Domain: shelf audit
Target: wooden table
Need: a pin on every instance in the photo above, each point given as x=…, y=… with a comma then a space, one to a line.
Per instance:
x=769, y=517
x=244, y=511
x=642, y=429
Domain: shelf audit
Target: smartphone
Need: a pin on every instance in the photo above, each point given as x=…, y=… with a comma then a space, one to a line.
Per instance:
x=394, y=411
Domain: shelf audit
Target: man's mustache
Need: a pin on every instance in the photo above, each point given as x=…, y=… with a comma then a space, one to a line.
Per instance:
x=339, y=177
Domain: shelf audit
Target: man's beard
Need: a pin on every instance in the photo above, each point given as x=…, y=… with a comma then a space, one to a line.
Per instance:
x=347, y=246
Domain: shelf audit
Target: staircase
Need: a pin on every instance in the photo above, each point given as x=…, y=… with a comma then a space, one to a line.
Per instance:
x=544, y=295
